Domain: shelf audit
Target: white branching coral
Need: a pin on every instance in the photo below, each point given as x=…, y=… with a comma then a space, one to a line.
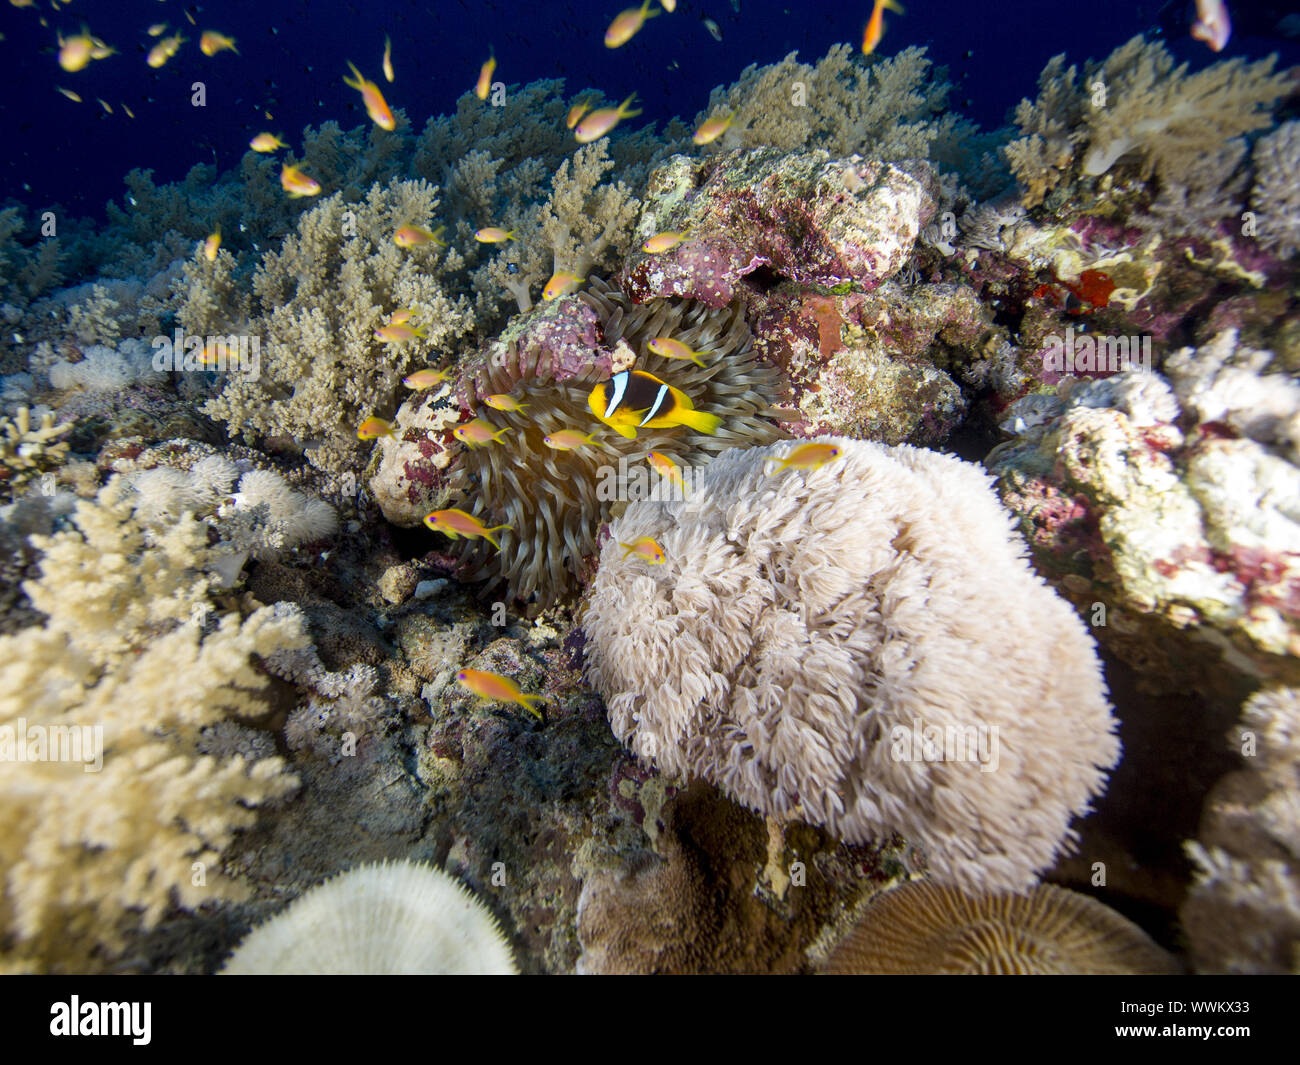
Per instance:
x=107, y=369
x=110, y=816
x=26, y=451
x=395, y=918
x=1276, y=196
x=262, y=519
x=863, y=646
x=318, y=301
x=1243, y=912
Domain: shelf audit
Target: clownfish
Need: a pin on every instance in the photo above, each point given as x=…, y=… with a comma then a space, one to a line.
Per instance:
x=634, y=400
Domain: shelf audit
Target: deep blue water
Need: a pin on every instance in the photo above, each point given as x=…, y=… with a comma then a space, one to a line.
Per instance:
x=294, y=55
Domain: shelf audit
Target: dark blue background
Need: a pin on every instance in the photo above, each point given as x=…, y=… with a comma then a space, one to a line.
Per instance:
x=293, y=56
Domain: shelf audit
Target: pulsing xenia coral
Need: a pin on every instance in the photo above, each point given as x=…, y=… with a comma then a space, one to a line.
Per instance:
x=862, y=646
x=552, y=499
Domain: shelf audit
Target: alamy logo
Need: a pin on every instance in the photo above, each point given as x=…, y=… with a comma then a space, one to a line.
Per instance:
x=1096, y=354
x=234, y=353
x=102, y=1018
x=21, y=742
x=951, y=743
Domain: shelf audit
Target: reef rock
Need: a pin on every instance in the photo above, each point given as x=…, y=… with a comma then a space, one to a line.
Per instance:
x=408, y=474
x=1177, y=538
x=804, y=215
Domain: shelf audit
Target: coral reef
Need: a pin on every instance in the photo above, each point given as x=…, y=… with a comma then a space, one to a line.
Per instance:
x=923, y=927
x=1242, y=914
x=1171, y=505
x=800, y=649
x=1136, y=106
x=806, y=216
x=111, y=815
x=317, y=302
x=389, y=919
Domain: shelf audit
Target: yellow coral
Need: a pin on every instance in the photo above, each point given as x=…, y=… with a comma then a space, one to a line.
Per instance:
x=127, y=667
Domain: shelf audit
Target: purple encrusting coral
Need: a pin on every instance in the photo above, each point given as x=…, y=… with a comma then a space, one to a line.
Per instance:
x=803, y=215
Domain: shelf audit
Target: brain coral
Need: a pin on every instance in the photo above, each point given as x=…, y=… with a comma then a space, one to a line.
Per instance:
x=552, y=498
x=923, y=927
x=861, y=646
x=399, y=918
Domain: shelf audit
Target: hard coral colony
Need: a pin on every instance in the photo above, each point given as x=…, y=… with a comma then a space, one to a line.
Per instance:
x=536, y=540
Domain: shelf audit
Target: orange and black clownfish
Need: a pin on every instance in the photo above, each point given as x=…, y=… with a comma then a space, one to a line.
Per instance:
x=634, y=400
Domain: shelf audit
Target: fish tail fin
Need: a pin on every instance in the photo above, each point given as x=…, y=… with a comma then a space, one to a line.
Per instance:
x=894, y=5
x=499, y=433
x=695, y=358
x=622, y=108
x=487, y=534
x=780, y=464
x=700, y=421
x=527, y=705
x=355, y=74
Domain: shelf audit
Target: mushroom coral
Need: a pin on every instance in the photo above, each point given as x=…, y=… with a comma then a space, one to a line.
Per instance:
x=923, y=927
x=398, y=918
x=861, y=646
x=556, y=501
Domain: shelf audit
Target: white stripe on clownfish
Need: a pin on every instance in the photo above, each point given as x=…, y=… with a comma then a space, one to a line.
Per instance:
x=654, y=407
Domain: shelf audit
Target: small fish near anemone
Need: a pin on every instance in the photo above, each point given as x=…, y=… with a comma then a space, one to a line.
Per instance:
x=547, y=479
x=456, y=524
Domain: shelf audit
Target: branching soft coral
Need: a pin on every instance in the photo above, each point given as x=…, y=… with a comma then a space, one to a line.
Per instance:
x=584, y=224
x=317, y=302
x=128, y=647
x=1276, y=197
x=885, y=109
x=1137, y=105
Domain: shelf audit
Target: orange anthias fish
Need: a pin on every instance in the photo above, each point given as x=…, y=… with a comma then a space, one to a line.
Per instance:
x=388, y=60
x=427, y=378
x=568, y=439
x=667, y=469
x=456, y=524
x=414, y=236
x=1212, y=24
x=498, y=689
x=575, y=113
x=668, y=348
x=806, y=457
x=662, y=242
x=74, y=52
x=164, y=50
x=501, y=401
x=493, y=235
x=374, y=427
x=560, y=284
x=626, y=24
x=477, y=433
x=876, y=24
x=598, y=123
x=713, y=128
x=211, y=245
x=646, y=548
x=211, y=42
x=376, y=105
x=296, y=183
x=484, y=84
x=266, y=142
x=398, y=333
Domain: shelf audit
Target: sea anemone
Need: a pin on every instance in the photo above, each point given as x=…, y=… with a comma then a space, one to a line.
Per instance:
x=395, y=918
x=923, y=927
x=860, y=646
x=556, y=501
